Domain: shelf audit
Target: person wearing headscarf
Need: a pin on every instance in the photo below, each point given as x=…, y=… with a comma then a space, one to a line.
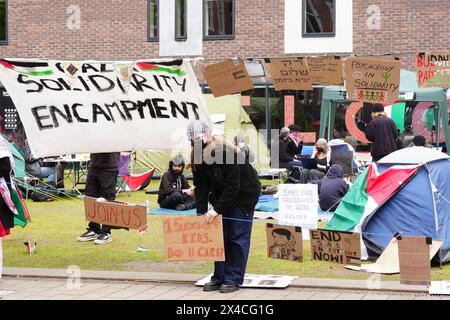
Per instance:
x=322, y=154
x=233, y=190
x=174, y=190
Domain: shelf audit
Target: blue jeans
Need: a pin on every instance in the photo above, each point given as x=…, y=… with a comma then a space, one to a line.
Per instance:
x=236, y=234
x=49, y=173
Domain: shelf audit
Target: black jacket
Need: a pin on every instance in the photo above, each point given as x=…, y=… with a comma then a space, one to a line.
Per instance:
x=6, y=215
x=170, y=183
x=285, y=152
x=105, y=161
x=225, y=185
x=382, y=132
x=332, y=188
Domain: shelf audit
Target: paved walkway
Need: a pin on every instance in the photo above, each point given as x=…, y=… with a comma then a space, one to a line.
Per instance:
x=59, y=289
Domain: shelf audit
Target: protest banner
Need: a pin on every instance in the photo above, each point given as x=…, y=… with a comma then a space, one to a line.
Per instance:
x=227, y=77
x=326, y=70
x=115, y=214
x=284, y=242
x=298, y=205
x=375, y=80
x=95, y=112
x=414, y=259
x=336, y=247
x=289, y=74
x=192, y=239
x=433, y=69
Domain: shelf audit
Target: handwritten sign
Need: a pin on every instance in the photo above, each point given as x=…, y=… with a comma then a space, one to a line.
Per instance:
x=375, y=80
x=298, y=205
x=284, y=242
x=414, y=259
x=433, y=69
x=226, y=77
x=96, y=111
x=192, y=239
x=336, y=247
x=289, y=74
x=325, y=70
x=115, y=214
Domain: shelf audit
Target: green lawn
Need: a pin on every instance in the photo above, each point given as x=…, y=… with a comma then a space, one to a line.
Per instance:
x=56, y=225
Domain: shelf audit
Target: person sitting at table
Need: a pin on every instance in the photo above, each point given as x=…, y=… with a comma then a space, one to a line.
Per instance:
x=322, y=154
x=174, y=190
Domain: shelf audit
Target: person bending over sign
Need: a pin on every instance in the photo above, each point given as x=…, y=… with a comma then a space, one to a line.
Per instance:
x=101, y=183
x=174, y=190
x=233, y=190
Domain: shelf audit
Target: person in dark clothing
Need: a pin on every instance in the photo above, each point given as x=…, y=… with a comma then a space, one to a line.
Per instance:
x=285, y=155
x=420, y=141
x=174, y=190
x=382, y=132
x=332, y=188
x=233, y=190
x=101, y=183
x=6, y=210
x=295, y=146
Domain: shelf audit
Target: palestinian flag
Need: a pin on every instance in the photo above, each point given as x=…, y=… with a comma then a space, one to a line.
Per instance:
x=21, y=219
x=28, y=68
x=369, y=192
x=170, y=67
x=135, y=182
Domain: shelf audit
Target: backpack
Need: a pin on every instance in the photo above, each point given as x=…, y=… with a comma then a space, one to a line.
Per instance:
x=40, y=197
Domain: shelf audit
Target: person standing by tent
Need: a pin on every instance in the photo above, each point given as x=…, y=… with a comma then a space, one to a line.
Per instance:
x=174, y=190
x=101, y=183
x=382, y=132
x=233, y=190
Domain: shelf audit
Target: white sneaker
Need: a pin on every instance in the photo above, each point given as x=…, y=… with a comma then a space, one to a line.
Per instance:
x=103, y=238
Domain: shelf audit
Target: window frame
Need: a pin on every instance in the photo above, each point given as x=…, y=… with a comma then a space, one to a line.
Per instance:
x=177, y=37
x=220, y=37
x=321, y=34
x=152, y=38
x=5, y=41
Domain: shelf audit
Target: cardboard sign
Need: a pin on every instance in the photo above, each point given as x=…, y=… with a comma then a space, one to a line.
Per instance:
x=433, y=69
x=337, y=247
x=255, y=68
x=298, y=205
x=308, y=137
x=325, y=70
x=226, y=77
x=439, y=287
x=115, y=214
x=375, y=80
x=284, y=242
x=97, y=113
x=289, y=74
x=192, y=239
x=414, y=259
x=258, y=281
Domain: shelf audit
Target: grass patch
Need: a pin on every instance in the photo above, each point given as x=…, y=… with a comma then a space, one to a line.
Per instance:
x=56, y=225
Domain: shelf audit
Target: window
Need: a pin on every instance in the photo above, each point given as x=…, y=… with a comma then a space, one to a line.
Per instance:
x=218, y=19
x=152, y=20
x=180, y=20
x=3, y=21
x=319, y=18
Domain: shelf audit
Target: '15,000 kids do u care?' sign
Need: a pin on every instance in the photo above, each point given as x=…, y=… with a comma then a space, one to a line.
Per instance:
x=93, y=106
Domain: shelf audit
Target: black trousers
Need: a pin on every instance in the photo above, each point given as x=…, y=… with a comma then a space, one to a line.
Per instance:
x=176, y=198
x=101, y=184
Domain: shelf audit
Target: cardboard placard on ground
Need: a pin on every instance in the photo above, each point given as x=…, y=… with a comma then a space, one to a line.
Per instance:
x=414, y=259
x=439, y=287
x=325, y=70
x=298, y=205
x=337, y=247
x=370, y=79
x=258, y=281
x=115, y=213
x=226, y=77
x=192, y=239
x=433, y=69
x=289, y=74
x=387, y=262
x=284, y=242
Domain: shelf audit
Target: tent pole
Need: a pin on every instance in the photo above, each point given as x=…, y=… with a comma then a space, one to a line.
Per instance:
x=438, y=124
x=433, y=191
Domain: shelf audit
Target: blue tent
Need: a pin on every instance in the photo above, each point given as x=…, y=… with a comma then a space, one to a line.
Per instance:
x=420, y=208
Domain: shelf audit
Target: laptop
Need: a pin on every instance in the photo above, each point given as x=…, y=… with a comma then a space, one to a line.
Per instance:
x=309, y=163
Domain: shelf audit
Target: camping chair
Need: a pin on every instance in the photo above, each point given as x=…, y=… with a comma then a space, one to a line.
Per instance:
x=124, y=170
x=341, y=154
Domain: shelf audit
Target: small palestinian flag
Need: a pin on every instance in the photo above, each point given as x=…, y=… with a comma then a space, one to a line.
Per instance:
x=135, y=182
x=28, y=68
x=21, y=219
x=170, y=67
